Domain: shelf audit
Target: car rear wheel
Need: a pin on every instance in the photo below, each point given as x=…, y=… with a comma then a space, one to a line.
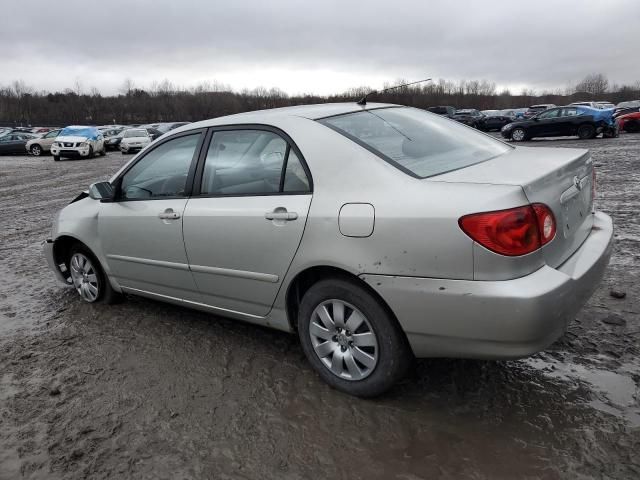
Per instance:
x=518, y=135
x=350, y=339
x=36, y=150
x=88, y=278
x=586, y=131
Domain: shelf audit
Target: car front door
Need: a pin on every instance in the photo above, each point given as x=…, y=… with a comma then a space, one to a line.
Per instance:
x=141, y=231
x=6, y=144
x=546, y=124
x=244, y=222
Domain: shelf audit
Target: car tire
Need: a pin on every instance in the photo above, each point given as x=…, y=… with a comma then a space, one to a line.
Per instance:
x=56, y=158
x=35, y=150
x=83, y=266
x=586, y=132
x=91, y=152
x=365, y=352
x=103, y=152
x=518, y=134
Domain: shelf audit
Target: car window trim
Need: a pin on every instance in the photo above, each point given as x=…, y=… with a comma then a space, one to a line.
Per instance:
x=117, y=183
x=197, y=181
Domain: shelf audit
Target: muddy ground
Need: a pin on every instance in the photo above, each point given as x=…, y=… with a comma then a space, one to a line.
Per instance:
x=147, y=390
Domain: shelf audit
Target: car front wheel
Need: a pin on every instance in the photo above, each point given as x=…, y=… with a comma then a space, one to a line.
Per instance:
x=518, y=135
x=350, y=338
x=88, y=278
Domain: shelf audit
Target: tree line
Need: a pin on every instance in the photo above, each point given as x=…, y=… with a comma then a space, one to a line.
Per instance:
x=22, y=105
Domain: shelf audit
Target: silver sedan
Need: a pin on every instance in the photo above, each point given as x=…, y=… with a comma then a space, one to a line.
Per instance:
x=377, y=233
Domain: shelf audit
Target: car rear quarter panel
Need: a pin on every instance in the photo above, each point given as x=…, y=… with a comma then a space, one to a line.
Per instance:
x=416, y=230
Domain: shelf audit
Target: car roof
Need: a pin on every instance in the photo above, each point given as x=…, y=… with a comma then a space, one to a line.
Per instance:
x=311, y=112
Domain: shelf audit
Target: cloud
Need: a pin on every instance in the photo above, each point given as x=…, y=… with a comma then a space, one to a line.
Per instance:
x=326, y=46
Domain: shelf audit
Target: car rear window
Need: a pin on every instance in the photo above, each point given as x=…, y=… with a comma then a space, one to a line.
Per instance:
x=419, y=143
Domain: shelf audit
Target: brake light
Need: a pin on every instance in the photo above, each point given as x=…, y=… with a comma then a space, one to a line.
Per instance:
x=513, y=232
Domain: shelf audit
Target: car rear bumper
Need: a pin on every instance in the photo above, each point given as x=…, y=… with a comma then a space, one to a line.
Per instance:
x=497, y=319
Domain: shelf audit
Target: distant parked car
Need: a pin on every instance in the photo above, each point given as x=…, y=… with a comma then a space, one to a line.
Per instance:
x=629, y=104
x=112, y=142
x=605, y=105
x=38, y=146
x=154, y=132
x=584, y=122
x=167, y=127
x=602, y=105
x=78, y=141
x=495, y=119
x=469, y=116
x=444, y=110
x=134, y=140
x=629, y=122
x=533, y=110
x=519, y=112
x=14, y=143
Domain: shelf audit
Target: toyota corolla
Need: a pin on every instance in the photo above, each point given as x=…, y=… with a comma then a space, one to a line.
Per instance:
x=376, y=233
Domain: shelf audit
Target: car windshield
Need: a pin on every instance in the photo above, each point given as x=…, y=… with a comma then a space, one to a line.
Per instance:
x=135, y=133
x=419, y=143
x=491, y=113
x=88, y=132
x=463, y=112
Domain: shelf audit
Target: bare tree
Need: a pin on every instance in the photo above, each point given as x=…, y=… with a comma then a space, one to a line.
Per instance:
x=594, y=83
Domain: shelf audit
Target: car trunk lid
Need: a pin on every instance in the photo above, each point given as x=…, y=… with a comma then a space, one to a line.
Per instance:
x=561, y=178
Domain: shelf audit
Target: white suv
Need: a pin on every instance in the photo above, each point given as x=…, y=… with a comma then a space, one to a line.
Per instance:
x=78, y=141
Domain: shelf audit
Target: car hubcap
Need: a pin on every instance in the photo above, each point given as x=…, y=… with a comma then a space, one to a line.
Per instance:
x=518, y=135
x=35, y=151
x=84, y=277
x=343, y=339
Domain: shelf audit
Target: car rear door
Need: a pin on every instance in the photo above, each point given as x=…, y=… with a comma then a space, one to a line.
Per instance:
x=141, y=231
x=569, y=120
x=246, y=217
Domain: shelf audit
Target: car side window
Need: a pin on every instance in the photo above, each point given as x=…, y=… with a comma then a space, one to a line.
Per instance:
x=244, y=162
x=295, y=177
x=549, y=114
x=51, y=135
x=162, y=172
x=570, y=112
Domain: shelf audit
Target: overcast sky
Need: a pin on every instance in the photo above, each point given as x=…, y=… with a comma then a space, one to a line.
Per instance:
x=322, y=46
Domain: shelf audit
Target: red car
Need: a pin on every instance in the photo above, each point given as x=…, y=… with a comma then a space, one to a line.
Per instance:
x=629, y=122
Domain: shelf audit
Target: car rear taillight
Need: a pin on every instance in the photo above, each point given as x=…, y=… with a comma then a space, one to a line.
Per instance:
x=512, y=232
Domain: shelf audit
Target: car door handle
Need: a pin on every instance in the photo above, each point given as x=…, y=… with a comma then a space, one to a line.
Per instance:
x=281, y=215
x=169, y=214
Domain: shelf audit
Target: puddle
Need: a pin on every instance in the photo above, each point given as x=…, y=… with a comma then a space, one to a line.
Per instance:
x=615, y=393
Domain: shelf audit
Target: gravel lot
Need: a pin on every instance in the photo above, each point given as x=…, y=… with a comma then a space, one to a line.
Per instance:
x=147, y=390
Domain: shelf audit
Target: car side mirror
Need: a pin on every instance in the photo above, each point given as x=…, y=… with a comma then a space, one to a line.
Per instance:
x=102, y=191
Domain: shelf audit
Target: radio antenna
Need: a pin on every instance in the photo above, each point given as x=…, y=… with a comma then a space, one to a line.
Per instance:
x=363, y=100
